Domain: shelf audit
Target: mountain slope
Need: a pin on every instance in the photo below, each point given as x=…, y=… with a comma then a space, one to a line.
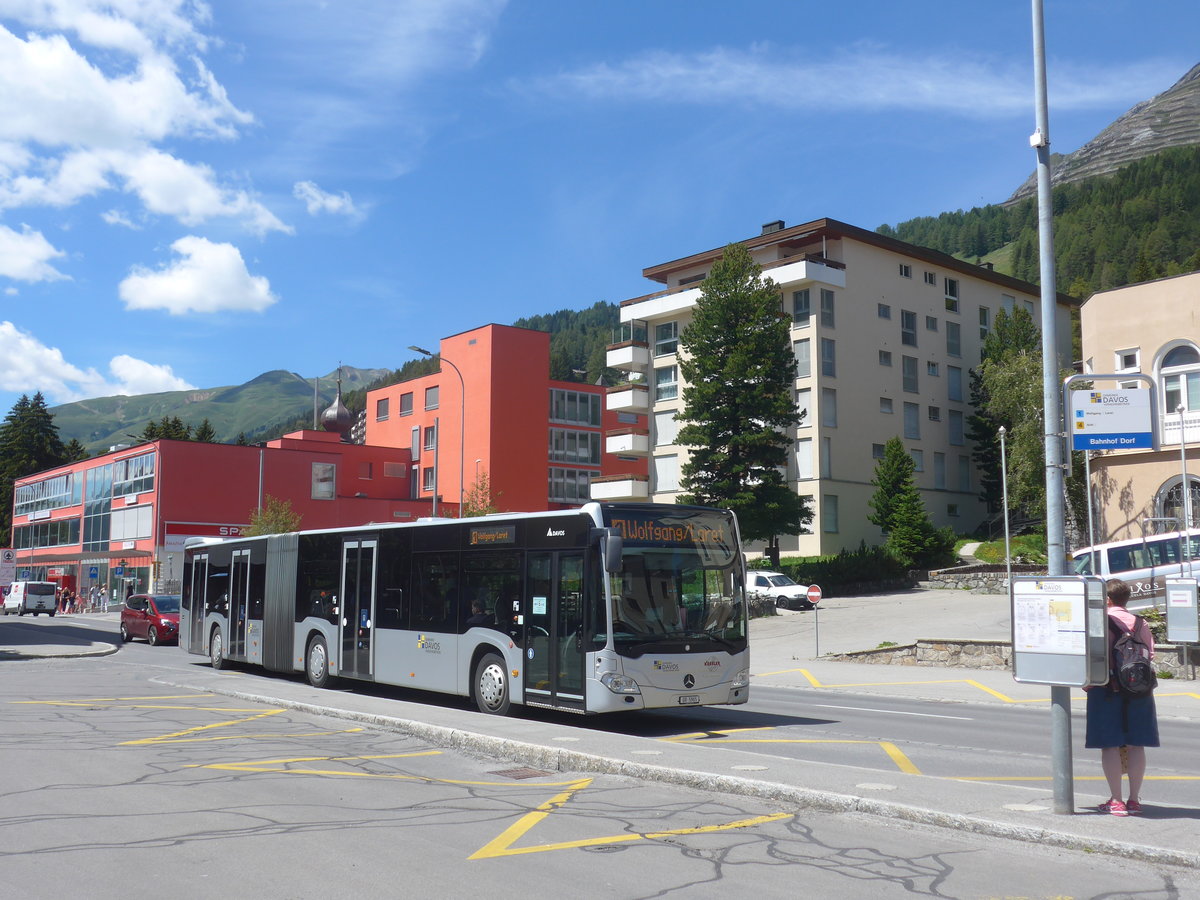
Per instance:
x=1171, y=119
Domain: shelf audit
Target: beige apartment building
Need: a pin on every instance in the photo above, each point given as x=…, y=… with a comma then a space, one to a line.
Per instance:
x=1151, y=329
x=885, y=334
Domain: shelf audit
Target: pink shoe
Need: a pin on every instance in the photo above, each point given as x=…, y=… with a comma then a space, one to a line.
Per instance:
x=1114, y=807
x=1133, y=808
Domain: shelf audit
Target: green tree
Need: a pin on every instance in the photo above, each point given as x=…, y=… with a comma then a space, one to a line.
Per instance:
x=738, y=406
x=29, y=443
x=74, y=451
x=205, y=433
x=275, y=517
x=900, y=512
x=479, y=500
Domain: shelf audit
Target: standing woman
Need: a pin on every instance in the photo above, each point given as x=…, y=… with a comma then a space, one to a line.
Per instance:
x=1117, y=724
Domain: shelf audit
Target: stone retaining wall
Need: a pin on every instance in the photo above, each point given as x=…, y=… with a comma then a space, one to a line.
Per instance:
x=1168, y=658
x=978, y=579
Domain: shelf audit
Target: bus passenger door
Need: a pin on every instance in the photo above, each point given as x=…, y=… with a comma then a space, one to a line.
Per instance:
x=357, y=607
x=553, y=611
x=195, y=605
x=239, y=603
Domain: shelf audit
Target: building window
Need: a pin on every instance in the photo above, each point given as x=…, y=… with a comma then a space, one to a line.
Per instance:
x=953, y=339
x=414, y=442
x=1007, y=302
x=828, y=358
x=954, y=384
x=394, y=470
x=431, y=397
x=828, y=408
x=666, y=338
x=579, y=447
x=877, y=451
x=952, y=294
x=918, y=458
x=324, y=479
x=826, y=457
x=952, y=510
x=366, y=471
x=985, y=321
x=905, y=270
x=931, y=369
x=939, y=471
x=957, y=435
x=430, y=438
x=931, y=278
x=1128, y=360
x=804, y=407
x=665, y=428
x=935, y=414
x=804, y=459
x=829, y=513
x=406, y=404
x=666, y=473
x=826, y=308
x=908, y=328
x=575, y=407
x=666, y=383
x=381, y=409
x=1168, y=501
x=569, y=485
x=1180, y=372
x=801, y=308
x=883, y=311
x=912, y=421
x=931, y=323
x=803, y=353
x=427, y=479
x=908, y=369
x=964, y=474
x=885, y=357
x=885, y=405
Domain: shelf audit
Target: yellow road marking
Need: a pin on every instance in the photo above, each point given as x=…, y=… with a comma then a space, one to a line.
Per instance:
x=503, y=845
x=167, y=738
x=903, y=763
x=254, y=736
x=117, y=699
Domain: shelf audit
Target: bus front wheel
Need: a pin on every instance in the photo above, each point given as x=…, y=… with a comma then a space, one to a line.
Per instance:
x=216, y=650
x=490, y=685
x=317, y=666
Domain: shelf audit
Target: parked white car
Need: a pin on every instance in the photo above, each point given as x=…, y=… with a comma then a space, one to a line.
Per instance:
x=787, y=594
x=36, y=597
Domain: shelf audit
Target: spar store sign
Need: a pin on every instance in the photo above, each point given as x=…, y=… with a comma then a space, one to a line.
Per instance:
x=178, y=532
x=1111, y=420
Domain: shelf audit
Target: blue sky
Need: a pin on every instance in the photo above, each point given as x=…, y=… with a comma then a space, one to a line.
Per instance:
x=195, y=193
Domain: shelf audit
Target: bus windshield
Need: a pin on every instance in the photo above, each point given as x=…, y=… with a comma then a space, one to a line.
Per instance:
x=679, y=587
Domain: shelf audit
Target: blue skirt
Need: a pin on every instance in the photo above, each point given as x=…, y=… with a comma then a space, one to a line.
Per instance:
x=1114, y=720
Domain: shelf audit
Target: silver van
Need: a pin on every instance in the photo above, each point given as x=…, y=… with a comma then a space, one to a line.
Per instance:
x=31, y=596
x=1144, y=563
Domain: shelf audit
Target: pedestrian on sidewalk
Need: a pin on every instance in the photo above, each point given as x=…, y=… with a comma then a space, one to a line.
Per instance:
x=1121, y=726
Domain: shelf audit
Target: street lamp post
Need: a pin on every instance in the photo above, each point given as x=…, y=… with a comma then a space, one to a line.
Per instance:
x=462, y=421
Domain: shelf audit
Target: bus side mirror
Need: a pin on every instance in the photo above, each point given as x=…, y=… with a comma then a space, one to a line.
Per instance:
x=611, y=548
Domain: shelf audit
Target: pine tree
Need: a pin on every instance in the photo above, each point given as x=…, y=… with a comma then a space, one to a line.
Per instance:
x=900, y=512
x=29, y=443
x=738, y=408
x=205, y=433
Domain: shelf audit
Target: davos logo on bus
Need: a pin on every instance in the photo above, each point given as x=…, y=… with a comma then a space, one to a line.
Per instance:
x=556, y=532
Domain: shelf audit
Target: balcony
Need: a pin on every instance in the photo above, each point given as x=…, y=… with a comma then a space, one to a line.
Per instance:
x=1169, y=428
x=629, y=398
x=621, y=487
x=628, y=442
x=629, y=356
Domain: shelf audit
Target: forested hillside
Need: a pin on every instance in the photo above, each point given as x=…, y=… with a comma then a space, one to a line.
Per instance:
x=1138, y=224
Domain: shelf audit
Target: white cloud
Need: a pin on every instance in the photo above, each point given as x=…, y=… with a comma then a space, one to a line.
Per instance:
x=130, y=25
x=863, y=78
x=318, y=201
x=25, y=255
x=28, y=366
x=116, y=217
x=209, y=278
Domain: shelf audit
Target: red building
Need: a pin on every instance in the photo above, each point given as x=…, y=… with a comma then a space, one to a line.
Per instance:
x=132, y=508
x=540, y=442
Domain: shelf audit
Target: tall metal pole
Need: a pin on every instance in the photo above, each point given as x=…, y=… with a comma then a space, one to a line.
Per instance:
x=462, y=420
x=437, y=443
x=1004, y=485
x=1056, y=553
x=1186, y=487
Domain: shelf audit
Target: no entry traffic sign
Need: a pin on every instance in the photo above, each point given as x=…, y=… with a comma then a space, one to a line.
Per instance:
x=814, y=593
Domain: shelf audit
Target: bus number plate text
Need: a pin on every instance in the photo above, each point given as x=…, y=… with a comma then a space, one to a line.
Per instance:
x=689, y=700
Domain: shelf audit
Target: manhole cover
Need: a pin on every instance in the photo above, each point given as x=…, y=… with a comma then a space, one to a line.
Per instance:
x=523, y=772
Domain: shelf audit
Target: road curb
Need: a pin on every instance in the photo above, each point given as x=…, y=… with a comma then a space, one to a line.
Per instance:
x=560, y=759
x=7, y=654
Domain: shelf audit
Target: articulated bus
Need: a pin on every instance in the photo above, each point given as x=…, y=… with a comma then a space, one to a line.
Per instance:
x=603, y=608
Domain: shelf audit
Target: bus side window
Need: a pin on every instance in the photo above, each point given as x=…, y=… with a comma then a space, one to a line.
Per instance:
x=1120, y=560
x=390, y=612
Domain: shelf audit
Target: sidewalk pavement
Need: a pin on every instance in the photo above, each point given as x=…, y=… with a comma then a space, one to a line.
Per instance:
x=784, y=653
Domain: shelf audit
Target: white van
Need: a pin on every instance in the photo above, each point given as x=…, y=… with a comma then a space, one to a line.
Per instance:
x=31, y=596
x=1144, y=563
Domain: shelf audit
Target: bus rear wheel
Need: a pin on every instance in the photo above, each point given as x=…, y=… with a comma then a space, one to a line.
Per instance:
x=489, y=686
x=317, y=662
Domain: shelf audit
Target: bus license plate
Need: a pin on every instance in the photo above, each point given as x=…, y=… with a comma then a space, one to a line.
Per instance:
x=689, y=700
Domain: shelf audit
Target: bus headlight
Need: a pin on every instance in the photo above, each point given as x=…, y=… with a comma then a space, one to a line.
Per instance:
x=619, y=684
x=741, y=679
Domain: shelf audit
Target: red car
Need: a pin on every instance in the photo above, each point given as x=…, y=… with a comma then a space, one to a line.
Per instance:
x=152, y=616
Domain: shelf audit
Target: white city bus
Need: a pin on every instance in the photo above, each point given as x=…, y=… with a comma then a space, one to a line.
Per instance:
x=1145, y=563
x=603, y=608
